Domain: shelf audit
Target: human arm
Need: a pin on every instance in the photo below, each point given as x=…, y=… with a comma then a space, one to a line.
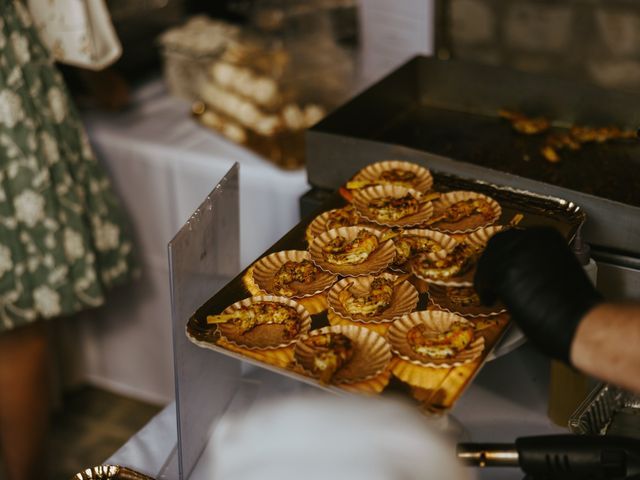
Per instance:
x=607, y=344
x=538, y=278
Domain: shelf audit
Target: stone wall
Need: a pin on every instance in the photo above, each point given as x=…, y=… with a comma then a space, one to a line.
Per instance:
x=596, y=40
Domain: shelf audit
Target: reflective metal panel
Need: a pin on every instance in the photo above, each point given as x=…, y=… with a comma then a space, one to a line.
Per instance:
x=203, y=256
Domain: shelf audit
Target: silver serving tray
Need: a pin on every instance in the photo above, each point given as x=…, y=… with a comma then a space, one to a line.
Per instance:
x=563, y=215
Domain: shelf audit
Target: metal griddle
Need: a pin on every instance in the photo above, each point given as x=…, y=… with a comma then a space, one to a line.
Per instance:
x=444, y=114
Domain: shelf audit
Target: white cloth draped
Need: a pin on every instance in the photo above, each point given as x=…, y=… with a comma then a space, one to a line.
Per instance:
x=508, y=399
x=164, y=164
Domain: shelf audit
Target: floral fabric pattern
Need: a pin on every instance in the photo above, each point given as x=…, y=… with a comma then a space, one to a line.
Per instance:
x=63, y=235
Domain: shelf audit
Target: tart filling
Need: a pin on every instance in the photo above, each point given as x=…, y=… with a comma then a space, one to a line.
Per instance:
x=444, y=344
x=455, y=263
x=398, y=176
x=410, y=245
x=331, y=351
x=248, y=317
x=393, y=173
x=387, y=208
x=463, y=296
x=372, y=303
x=342, y=217
x=466, y=208
x=341, y=251
x=294, y=274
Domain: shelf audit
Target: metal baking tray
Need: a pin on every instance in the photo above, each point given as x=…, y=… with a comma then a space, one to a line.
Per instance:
x=607, y=410
x=566, y=216
x=444, y=115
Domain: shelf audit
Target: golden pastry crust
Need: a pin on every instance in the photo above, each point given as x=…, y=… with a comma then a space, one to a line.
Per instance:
x=342, y=217
x=466, y=208
x=372, y=303
x=409, y=245
x=386, y=209
x=331, y=352
x=445, y=344
x=393, y=173
x=361, y=300
x=454, y=264
x=341, y=251
x=463, y=296
x=292, y=275
x=463, y=211
x=398, y=176
x=248, y=317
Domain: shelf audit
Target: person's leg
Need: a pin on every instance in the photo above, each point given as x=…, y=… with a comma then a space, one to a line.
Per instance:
x=24, y=401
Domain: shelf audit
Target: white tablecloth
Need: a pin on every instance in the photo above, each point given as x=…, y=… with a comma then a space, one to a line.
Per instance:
x=163, y=165
x=508, y=399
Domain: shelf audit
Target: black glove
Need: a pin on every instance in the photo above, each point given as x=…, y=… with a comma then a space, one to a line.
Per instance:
x=542, y=284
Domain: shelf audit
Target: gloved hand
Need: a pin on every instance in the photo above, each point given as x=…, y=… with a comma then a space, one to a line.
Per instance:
x=542, y=284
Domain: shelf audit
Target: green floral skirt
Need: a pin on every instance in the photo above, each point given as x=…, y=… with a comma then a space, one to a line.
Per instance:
x=62, y=230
